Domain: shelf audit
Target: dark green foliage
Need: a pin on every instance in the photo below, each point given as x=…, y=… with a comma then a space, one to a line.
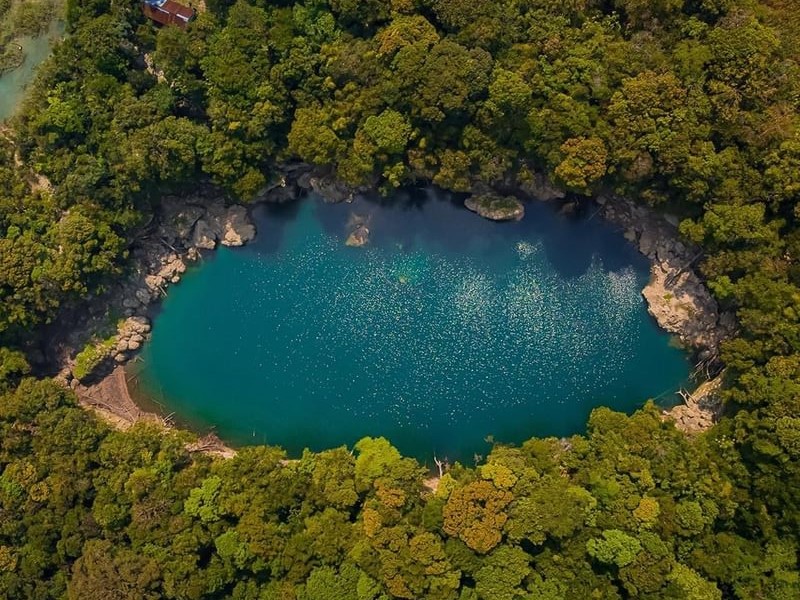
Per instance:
x=689, y=103
x=87, y=510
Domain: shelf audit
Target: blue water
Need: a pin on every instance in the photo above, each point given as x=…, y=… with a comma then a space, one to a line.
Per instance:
x=444, y=330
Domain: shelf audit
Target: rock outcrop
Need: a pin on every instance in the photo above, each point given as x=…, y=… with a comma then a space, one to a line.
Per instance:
x=678, y=300
x=495, y=207
x=329, y=188
x=183, y=228
x=359, y=237
x=283, y=188
x=681, y=304
x=229, y=226
x=237, y=229
x=700, y=410
x=676, y=296
x=131, y=334
x=539, y=187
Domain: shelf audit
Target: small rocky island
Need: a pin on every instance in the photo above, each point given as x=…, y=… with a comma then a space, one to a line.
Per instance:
x=359, y=237
x=496, y=207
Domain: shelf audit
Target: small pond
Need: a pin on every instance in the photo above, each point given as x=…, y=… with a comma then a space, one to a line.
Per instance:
x=444, y=331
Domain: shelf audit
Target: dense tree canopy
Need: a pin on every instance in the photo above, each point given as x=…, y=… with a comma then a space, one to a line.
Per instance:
x=690, y=104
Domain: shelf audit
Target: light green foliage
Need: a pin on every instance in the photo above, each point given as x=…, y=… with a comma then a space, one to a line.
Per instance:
x=500, y=475
x=326, y=583
x=12, y=366
x=404, y=31
x=509, y=92
x=689, y=516
x=389, y=131
x=313, y=140
x=91, y=357
x=552, y=508
x=437, y=81
x=230, y=547
x=584, y=163
x=692, y=585
x=203, y=501
x=376, y=458
x=502, y=573
x=614, y=548
x=647, y=511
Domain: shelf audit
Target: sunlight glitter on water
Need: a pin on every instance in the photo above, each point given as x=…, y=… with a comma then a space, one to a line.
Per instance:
x=436, y=342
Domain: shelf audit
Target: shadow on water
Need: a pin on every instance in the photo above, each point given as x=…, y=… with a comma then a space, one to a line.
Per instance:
x=432, y=218
x=272, y=220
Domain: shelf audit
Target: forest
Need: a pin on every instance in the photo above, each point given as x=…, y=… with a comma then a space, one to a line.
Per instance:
x=690, y=105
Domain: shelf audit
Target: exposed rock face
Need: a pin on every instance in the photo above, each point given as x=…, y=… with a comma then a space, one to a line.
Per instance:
x=283, y=188
x=700, y=410
x=131, y=334
x=681, y=304
x=329, y=188
x=496, y=208
x=678, y=300
x=237, y=229
x=184, y=227
x=359, y=237
x=201, y=223
x=229, y=226
x=180, y=216
x=282, y=194
x=203, y=236
x=676, y=297
x=539, y=187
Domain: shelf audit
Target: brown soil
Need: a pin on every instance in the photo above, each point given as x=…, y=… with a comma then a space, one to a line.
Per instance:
x=110, y=399
x=110, y=395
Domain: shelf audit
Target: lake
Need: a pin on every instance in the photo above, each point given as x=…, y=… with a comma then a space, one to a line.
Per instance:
x=445, y=331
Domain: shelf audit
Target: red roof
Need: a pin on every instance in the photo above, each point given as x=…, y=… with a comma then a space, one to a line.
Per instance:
x=178, y=9
x=169, y=13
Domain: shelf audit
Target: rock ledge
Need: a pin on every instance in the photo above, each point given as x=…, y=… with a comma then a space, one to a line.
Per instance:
x=676, y=297
x=495, y=207
x=183, y=228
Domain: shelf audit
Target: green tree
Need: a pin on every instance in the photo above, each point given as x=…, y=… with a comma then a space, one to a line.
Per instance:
x=614, y=548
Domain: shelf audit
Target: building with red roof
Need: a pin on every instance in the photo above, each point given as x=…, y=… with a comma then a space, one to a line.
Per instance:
x=168, y=12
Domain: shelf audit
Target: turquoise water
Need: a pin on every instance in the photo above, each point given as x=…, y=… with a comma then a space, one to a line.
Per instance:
x=13, y=83
x=444, y=330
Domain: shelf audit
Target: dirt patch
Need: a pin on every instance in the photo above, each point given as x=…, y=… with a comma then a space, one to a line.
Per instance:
x=110, y=400
x=110, y=396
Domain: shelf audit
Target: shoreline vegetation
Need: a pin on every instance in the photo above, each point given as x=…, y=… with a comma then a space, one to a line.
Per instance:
x=685, y=107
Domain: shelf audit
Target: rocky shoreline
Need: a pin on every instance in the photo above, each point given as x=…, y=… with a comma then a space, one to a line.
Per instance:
x=186, y=227
x=676, y=297
x=679, y=301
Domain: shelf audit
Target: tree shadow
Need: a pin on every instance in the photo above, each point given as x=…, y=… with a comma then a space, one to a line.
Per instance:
x=436, y=220
x=271, y=220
